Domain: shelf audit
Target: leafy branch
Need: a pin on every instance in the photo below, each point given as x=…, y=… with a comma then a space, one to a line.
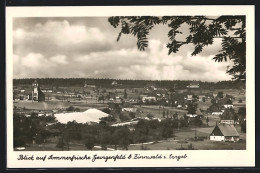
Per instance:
x=202, y=31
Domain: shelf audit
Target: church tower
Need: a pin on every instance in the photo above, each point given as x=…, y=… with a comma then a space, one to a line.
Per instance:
x=35, y=93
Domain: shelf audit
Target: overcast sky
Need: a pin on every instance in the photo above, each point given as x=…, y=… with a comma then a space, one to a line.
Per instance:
x=87, y=47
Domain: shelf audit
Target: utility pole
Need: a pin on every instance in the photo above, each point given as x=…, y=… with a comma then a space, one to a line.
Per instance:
x=159, y=109
x=207, y=120
x=195, y=135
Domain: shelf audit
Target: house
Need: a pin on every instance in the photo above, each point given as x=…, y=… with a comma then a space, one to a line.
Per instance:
x=88, y=86
x=215, y=110
x=189, y=97
x=227, y=122
x=114, y=83
x=217, y=113
x=126, y=107
x=47, y=90
x=129, y=109
x=194, y=84
x=226, y=102
x=230, y=97
x=229, y=117
x=148, y=98
x=191, y=115
x=224, y=132
x=80, y=94
x=201, y=97
x=22, y=90
x=152, y=86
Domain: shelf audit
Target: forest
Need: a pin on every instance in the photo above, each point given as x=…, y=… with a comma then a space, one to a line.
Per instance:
x=177, y=84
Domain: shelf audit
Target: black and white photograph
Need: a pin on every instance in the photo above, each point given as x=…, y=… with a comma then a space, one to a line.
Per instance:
x=130, y=83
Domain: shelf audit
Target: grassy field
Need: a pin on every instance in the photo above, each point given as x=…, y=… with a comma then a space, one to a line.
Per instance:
x=198, y=145
x=52, y=105
x=158, y=113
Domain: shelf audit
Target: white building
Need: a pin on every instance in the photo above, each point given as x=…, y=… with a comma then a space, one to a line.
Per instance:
x=228, y=106
x=223, y=132
x=217, y=113
x=129, y=109
x=149, y=98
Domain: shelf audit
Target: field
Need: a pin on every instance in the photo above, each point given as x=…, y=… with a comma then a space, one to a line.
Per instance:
x=55, y=105
x=198, y=145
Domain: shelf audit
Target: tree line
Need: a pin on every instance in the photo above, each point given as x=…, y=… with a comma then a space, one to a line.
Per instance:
x=98, y=82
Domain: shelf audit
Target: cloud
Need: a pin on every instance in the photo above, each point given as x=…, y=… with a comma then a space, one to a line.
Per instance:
x=59, y=37
x=154, y=64
x=61, y=59
x=62, y=48
x=36, y=65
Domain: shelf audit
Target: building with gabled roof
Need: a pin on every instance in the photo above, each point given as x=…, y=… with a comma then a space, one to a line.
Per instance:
x=226, y=102
x=194, y=84
x=224, y=132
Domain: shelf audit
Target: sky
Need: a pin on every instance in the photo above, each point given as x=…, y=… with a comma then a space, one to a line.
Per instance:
x=86, y=47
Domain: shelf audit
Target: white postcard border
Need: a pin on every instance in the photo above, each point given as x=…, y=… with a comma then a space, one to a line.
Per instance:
x=196, y=158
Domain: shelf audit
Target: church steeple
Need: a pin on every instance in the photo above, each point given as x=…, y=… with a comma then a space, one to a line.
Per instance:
x=35, y=91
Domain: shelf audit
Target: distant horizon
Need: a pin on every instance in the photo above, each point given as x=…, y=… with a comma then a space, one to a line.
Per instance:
x=114, y=79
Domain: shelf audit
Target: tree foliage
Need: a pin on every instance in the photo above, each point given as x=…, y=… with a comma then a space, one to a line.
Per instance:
x=202, y=32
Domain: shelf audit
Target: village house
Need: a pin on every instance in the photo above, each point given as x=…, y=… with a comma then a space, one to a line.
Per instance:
x=223, y=132
x=215, y=110
x=114, y=83
x=152, y=86
x=194, y=84
x=179, y=106
x=227, y=121
x=86, y=85
x=191, y=115
x=225, y=102
x=148, y=98
x=217, y=113
x=47, y=90
x=229, y=117
x=126, y=107
x=201, y=97
x=189, y=97
x=80, y=94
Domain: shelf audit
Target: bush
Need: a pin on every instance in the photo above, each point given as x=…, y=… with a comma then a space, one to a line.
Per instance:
x=243, y=126
x=19, y=141
x=39, y=139
x=123, y=117
x=150, y=116
x=108, y=119
x=72, y=109
x=131, y=115
x=106, y=110
x=190, y=147
x=144, y=147
x=60, y=144
x=89, y=142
